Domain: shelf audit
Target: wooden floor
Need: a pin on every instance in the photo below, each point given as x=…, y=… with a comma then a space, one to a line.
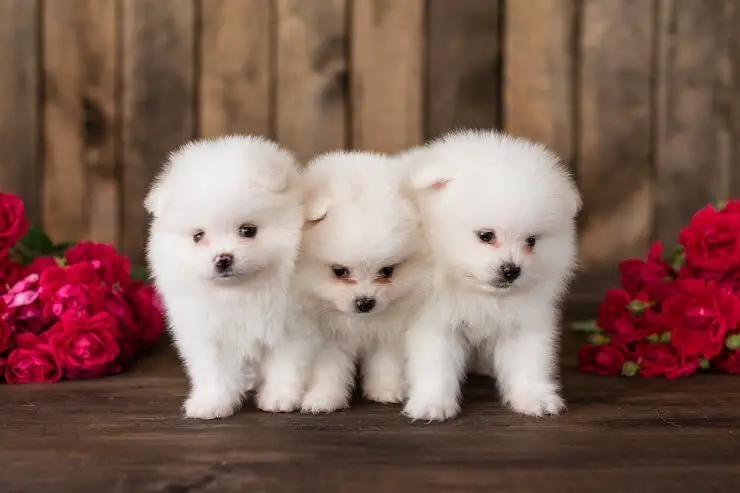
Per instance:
x=125, y=434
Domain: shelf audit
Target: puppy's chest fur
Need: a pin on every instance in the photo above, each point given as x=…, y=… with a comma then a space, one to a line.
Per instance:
x=242, y=317
x=480, y=317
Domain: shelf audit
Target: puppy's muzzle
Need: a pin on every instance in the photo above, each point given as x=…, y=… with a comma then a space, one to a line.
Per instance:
x=364, y=304
x=507, y=274
x=223, y=263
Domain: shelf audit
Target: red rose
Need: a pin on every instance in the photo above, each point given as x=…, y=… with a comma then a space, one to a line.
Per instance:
x=712, y=240
x=32, y=361
x=653, y=276
x=149, y=312
x=618, y=322
x=40, y=264
x=603, y=359
x=662, y=360
x=730, y=362
x=726, y=279
x=23, y=310
x=699, y=316
x=111, y=266
x=732, y=207
x=13, y=222
x=85, y=345
x=10, y=271
x=76, y=287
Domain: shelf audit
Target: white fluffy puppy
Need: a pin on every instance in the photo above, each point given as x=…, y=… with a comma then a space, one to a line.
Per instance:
x=360, y=276
x=225, y=232
x=499, y=214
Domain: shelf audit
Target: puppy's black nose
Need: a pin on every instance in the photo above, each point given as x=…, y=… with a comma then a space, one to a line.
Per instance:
x=223, y=262
x=510, y=272
x=364, y=304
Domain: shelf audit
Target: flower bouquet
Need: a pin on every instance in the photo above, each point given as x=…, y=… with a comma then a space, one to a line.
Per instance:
x=675, y=314
x=72, y=310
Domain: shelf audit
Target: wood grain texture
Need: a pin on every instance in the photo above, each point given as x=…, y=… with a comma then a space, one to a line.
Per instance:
x=733, y=12
x=81, y=193
x=614, y=161
x=125, y=433
x=387, y=75
x=538, y=72
x=158, y=101
x=235, y=67
x=694, y=141
x=312, y=76
x=463, y=84
x=20, y=95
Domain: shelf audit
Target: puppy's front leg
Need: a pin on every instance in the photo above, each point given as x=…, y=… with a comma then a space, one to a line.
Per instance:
x=525, y=362
x=286, y=369
x=331, y=384
x=216, y=377
x=435, y=367
x=383, y=372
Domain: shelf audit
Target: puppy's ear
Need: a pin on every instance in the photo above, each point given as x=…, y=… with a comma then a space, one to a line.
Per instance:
x=154, y=200
x=279, y=171
x=429, y=178
x=316, y=209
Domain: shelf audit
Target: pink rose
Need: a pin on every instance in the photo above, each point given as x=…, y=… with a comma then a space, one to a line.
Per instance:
x=32, y=361
x=149, y=310
x=23, y=307
x=6, y=331
x=85, y=345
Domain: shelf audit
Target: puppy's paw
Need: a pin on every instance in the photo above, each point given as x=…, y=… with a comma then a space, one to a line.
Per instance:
x=207, y=407
x=431, y=409
x=387, y=391
x=278, y=400
x=536, y=400
x=324, y=400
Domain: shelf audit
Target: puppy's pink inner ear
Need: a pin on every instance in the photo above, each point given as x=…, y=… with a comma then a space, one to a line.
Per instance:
x=439, y=185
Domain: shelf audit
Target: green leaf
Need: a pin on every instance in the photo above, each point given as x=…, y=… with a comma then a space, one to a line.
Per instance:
x=34, y=244
x=720, y=206
x=639, y=306
x=61, y=262
x=704, y=364
x=140, y=273
x=598, y=339
x=653, y=338
x=733, y=342
x=585, y=326
x=665, y=337
x=678, y=260
x=630, y=368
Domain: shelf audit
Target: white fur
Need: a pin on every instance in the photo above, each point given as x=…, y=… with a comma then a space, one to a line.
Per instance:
x=360, y=217
x=481, y=180
x=230, y=330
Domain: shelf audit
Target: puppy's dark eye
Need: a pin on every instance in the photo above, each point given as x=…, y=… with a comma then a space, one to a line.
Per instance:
x=531, y=241
x=386, y=272
x=198, y=235
x=340, y=272
x=486, y=235
x=247, y=231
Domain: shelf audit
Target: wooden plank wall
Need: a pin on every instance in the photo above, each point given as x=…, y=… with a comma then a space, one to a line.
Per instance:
x=640, y=97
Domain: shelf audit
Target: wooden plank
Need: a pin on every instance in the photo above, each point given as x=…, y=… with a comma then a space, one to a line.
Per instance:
x=80, y=162
x=235, y=70
x=20, y=156
x=693, y=107
x=386, y=83
x=538, y=72
x=158, y=101
x=463, y=65
x=312, y=80
x=614, y=163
